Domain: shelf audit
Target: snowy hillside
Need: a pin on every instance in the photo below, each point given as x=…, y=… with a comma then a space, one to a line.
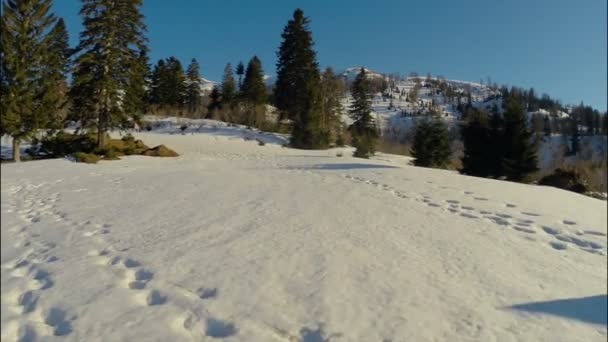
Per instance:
x=240, y=242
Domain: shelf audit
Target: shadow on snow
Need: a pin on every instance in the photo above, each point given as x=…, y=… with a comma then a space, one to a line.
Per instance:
x=587, y=309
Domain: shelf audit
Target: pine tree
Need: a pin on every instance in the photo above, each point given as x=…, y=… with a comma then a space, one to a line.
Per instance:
x=174, y=83
x=26, y=49
x=54, y=70
x=215, y=102
x=254, y=89
x=519, y=158
x=363, y=129
x=228, y=85
x=431, y=147
x=109, y=63
x=254, y=93
x=157, y=95
x=193, y=86
x=477, y=144
x=332, y=90
x=136, y=94
x=497, y=143
x=296, y=91
x=547, y=126
x=240, y=71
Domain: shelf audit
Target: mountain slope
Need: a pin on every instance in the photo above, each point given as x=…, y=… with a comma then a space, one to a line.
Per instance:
x=239, y=242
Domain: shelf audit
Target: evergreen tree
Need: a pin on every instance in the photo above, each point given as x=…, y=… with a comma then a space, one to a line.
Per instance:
x=296, y=91
x=215, y=102
x=363, y=129
x=136, y=94
x=547, y=126
x=240, y=71
x=574, y=135
x=332, y=90
x=497, y=143
x=254, y=89
x=228, y=85
x=157, y=91
x=477, y=144
x=174, y=83
x=26, y=50
x=108, y=63
x=254, y=93
x=54, y=70
x=431, y=147
x=193, y=86
x=519, y=158
x=605, y=123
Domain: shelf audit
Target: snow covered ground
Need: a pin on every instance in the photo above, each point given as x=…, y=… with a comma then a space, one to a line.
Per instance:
x=240, y=242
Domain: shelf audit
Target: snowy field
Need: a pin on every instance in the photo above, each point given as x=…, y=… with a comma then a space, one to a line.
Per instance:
x=240, y=242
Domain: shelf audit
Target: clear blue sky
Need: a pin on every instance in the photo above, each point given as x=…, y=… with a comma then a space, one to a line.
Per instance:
x=556, y=46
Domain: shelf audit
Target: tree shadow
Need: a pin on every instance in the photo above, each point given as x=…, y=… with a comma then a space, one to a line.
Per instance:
x=349, y=166
x=587, y=309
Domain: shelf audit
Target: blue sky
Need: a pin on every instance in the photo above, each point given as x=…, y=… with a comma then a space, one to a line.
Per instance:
x=555, y=46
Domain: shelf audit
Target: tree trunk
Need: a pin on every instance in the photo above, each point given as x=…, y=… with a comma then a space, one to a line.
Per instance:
x=16, y=149
x=100, y=138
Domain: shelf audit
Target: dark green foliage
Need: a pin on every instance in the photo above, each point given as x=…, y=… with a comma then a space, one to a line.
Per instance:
x=332, y=90
x=519, y=157
x=193, y=87
x=254, y=89
x=136, y=95
x=477, y=142
x=109, y=64
x=229, y=86
x=547, y=126
x=33, y=49
x=563, y=179
x=431, y=147
x=297, y=91
x=363, y=129
x=240, y=71
x=168, y=86
x=216, y=100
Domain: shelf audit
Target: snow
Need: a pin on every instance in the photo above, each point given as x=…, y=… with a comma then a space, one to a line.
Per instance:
x=240, y=242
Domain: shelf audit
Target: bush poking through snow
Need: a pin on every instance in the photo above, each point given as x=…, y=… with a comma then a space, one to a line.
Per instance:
x=160, y=151
x=563, y=179
x=88, y=158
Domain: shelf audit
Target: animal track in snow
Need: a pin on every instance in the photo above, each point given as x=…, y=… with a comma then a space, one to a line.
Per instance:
x=57, y=319
x=569, y=222
x=558, y=245
x=205, y=293
x=154, y=297
x=217, y=328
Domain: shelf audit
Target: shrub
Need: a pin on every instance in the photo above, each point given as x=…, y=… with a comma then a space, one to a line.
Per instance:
x=564, y=179
x=160, y=151
x=339, y=154
x=261, y=142
x=88, y=158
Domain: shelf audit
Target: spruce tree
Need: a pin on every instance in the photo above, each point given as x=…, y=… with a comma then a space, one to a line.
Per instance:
x=519, y=158
x=254, y=89
x=477, y=144
x=254, y=93
x=296, y=91
x=108, y=63
x=136, y=94
x=332, y=90
x=156, y=95
x=174, y=83
x=26, y=51
x=215, y=102
x=497, y=144
x=240, y=71
x=431, y=147
x=363, y=129
x=193, y=86
x=547, y=126
x=54, y=70
x=228, y=85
